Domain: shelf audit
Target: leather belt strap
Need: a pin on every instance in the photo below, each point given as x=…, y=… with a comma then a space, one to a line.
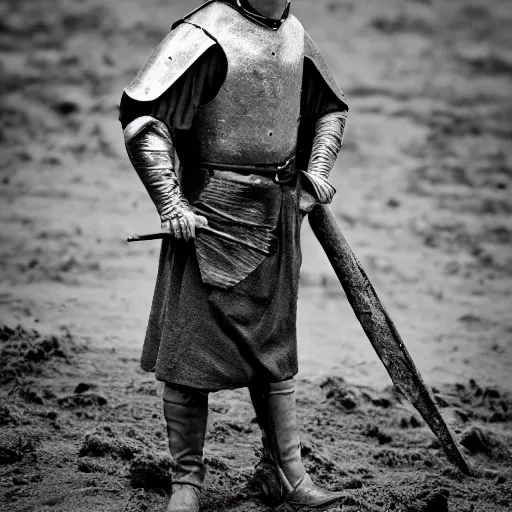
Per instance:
x=281, y=173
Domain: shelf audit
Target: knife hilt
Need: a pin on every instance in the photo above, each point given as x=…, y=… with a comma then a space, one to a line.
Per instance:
x=205, y=229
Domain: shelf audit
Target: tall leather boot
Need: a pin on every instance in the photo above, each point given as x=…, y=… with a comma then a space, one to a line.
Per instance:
x=259, y=399
x=281, y=436
x=266, y=479
x=186, y=413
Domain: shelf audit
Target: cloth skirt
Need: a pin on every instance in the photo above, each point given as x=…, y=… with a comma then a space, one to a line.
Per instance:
x=211, y=337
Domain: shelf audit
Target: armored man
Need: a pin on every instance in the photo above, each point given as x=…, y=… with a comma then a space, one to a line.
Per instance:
x=233, y=127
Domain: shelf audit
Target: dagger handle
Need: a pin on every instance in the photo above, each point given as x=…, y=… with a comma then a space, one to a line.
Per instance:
x=142, y=238
x=162, y=235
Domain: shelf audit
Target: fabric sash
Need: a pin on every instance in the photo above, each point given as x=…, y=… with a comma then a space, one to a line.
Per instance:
x=246, y=206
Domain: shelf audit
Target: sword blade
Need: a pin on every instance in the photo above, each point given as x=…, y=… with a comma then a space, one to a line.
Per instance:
x=381, y=330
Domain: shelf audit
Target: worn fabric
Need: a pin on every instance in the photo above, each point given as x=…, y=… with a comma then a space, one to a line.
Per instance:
x=243, y=213
x=203, y=336
x=206, y=337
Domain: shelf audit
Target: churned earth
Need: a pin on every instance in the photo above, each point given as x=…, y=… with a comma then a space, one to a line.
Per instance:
x=424, y=197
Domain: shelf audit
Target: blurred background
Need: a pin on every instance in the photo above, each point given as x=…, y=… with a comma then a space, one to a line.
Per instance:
x=424, y=185
x=423, y=179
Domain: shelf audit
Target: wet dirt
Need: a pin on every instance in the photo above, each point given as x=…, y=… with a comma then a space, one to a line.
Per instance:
x=423, y=198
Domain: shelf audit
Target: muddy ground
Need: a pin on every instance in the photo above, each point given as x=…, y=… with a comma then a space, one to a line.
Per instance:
x=424, y=197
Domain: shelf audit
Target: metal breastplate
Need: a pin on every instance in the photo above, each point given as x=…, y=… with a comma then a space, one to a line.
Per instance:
x=254, y=117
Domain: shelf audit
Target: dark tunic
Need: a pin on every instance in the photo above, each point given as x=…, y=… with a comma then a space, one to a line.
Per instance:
x=204, y=336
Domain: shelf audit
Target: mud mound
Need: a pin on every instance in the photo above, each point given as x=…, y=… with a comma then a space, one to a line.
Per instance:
x=473, y=401
x=428, y=500
x=150, y=472
x=82, y=400
x=146, y=387
x=494, y=446
x=423, y=184
x=338, y=393
x=9, y=415
x=105, y=441
x=138, y=502
x=265, y=483
x=374, y=432
x=17, y=447
x=25, y=353
x=392, y=458
x=93, y=466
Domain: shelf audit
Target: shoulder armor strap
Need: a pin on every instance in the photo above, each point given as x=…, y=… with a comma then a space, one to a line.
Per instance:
x=171, y=59
x=312, y=53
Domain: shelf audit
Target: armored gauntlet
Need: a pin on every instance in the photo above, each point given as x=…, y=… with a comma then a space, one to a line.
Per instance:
x=150, y=148
x=327, y=142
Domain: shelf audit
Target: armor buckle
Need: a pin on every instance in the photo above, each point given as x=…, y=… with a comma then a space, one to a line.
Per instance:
x=285, y=172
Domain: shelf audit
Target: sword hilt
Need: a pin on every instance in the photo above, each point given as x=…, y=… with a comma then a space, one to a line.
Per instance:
x=151, y=236
x=205, y=229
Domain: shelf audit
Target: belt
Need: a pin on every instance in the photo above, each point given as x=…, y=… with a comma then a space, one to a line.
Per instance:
x=282, y=173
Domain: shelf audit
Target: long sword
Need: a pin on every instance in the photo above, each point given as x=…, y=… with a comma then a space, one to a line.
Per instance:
x=381, y=330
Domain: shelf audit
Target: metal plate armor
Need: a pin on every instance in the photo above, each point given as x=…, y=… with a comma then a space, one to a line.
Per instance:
x=312, y=53
x=254, y=118
x=187, y=42
x=171, y=59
